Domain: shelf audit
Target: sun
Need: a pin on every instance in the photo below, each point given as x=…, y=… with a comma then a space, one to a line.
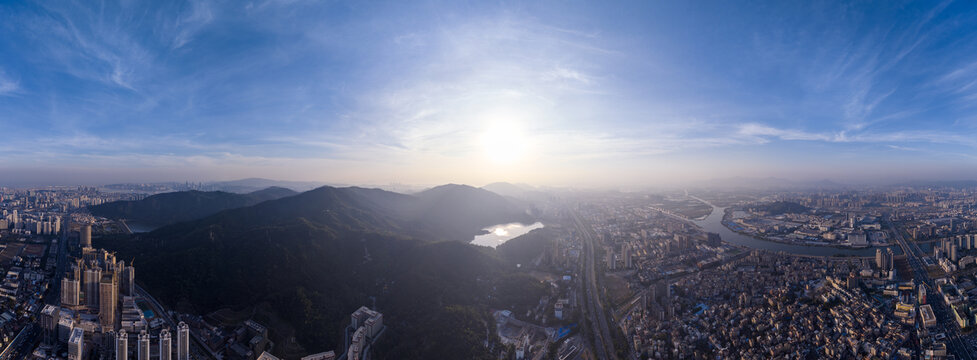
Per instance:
x=504, y=144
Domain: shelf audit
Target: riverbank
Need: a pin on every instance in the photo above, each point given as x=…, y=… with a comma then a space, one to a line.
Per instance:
x=727, y=214
x=714, y=223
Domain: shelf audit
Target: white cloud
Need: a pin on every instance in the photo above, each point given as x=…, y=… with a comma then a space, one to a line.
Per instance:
x=190, y=22
x=7, y=85
x=562, y=74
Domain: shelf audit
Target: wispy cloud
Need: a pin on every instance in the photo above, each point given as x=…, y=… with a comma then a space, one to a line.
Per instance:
x=185, y=26
x=892, y=139
x=400, y=86
x=562, y=74
x=8, y=86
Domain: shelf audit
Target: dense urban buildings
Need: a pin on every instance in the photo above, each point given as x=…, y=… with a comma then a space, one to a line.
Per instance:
x=698, y=274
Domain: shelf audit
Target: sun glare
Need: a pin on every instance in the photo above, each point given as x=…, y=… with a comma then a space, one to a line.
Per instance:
x=504, y=144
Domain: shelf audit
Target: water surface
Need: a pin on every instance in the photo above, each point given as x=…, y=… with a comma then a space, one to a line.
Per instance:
x=138, y=227
x=713, y=223
x=499, y=234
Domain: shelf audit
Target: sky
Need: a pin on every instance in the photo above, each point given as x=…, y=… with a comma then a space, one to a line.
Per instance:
x=545, y=92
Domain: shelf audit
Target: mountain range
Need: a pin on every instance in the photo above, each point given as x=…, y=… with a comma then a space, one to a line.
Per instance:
x=306, y=261
x=173, y=207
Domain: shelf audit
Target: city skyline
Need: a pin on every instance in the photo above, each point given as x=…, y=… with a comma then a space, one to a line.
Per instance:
x=544, y=93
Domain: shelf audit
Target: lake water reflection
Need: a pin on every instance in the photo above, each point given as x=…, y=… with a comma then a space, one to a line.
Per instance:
x=499, y=234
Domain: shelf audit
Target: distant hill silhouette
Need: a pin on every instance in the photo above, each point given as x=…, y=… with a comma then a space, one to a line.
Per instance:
x=509, y=189
x=956, y=184
x=521, y=192
x=252, y=184
x=319, y=255
x=168, y=208
x=765, y=183
x=462, y=211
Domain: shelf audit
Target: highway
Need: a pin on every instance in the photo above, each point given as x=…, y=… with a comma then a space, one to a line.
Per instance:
x=603, y=342
x=22, y=345
x=947, y=323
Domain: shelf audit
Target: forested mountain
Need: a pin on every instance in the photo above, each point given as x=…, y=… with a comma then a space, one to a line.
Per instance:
x=317, y=256
x=168, y=208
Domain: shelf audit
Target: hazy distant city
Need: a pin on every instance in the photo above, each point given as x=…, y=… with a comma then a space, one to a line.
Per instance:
x=488, y=180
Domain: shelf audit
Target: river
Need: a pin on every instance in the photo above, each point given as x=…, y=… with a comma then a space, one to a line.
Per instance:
x=713, y=223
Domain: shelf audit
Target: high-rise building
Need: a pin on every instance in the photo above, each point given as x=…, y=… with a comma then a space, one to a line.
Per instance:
x=143, y=346
x=65, y=325
x=890, y=259
x=49, y=323
x=108, y=300
x=921, y=298
x=365, y=327
x=165, y=345
x=86, y=236
x=356, y=345
x=76, y=344
x=76, y=269
x=885, y=260
x=953, y=253
x=627, y=257
x=69, y=292
x=92, y=278
x=183, y=341
x=879, y=258
x=122, y=346
x=129, y=280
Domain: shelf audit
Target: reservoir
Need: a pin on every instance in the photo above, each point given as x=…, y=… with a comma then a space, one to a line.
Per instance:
x=138, y=227
x=714, y=224
x=499, y=234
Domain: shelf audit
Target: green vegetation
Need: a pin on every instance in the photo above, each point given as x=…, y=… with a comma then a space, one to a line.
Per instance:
x=320, y=255
x=526, y=248
x=781, y=207
x=169, y=208
x=689, y=208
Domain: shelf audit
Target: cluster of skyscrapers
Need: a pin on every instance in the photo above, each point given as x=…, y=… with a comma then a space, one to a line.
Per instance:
x=94, y=283
x=36, y=224
x=99, y=310
x=120, y=346
x=164, y=345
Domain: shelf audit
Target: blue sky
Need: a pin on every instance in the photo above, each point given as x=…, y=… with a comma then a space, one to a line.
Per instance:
x=562, y=92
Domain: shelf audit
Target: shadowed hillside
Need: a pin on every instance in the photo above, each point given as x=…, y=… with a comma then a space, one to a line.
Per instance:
x=168, y=208
x=319, y=255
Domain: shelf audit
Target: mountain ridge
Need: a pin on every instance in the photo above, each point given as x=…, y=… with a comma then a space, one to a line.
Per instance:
x=173, y=207
x=321, y=254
